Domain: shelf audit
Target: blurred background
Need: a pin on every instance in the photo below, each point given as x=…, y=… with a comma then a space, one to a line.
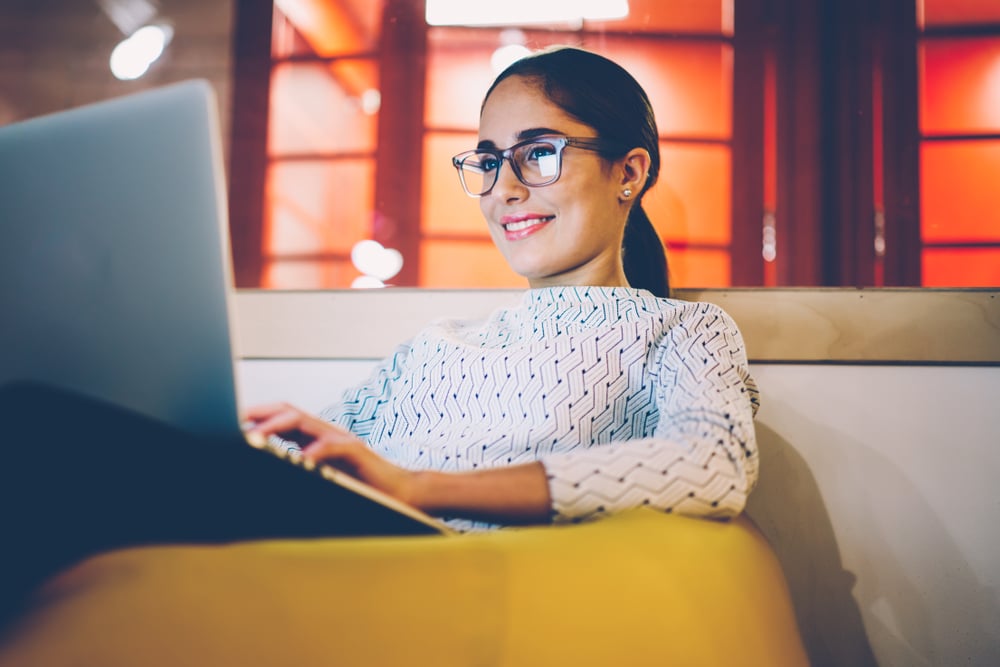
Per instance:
x=805, y=142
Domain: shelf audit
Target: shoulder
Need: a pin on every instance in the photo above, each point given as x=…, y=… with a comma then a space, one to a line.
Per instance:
x=685, y=316
x=700, y=328
x=702, y=314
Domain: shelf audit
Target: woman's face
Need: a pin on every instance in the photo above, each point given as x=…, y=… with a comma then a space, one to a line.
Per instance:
x=566, y=233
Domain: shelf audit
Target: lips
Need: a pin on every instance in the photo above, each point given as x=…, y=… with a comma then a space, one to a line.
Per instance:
x=524, y=224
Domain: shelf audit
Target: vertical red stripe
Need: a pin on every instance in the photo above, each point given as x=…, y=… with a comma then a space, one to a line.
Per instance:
x=878, y=169
x=771, y=156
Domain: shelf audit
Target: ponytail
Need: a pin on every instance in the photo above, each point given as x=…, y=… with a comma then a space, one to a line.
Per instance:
x=643, y=255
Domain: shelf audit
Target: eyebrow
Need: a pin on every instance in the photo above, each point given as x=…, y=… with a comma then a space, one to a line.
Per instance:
x=524, y=135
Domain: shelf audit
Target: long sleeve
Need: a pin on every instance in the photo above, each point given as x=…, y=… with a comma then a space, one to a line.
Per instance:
x=700, y=458
x=360, y=407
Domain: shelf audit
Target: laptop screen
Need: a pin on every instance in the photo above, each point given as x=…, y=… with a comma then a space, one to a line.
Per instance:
x=114, y=257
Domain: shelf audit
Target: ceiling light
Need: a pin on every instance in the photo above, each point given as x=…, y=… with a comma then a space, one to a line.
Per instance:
x=521, y=12
x=133, y=55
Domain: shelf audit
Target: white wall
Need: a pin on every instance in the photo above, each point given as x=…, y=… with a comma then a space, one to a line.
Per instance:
x=879, y=492
x=309, y=384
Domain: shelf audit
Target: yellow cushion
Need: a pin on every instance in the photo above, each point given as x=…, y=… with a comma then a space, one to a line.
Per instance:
x=641, y=588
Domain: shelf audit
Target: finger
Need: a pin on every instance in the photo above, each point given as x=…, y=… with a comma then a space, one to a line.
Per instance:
x=286, y=424
x=337, y=447
x=303, y=428
x=257, y=413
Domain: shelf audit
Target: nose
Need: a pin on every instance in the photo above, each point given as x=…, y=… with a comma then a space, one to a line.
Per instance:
x=508, y=187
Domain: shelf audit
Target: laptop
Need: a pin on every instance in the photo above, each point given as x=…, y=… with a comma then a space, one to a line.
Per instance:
x=115, y=276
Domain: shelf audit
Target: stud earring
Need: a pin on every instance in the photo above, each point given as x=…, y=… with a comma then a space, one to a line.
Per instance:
x=626, y=193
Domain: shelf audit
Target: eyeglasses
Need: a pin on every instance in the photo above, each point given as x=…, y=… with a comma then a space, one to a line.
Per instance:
x=535, y=162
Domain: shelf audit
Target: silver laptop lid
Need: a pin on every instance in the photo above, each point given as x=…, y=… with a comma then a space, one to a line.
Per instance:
x=114, y=257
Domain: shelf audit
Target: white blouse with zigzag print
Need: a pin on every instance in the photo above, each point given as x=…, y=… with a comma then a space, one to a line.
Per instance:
x=625, y=398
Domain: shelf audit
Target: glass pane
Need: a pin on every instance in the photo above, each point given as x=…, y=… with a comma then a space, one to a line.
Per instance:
x=960, y=85
x=689, y=84
x=446, y=207
x=691, y=201
x=659, y=16
x=294, y=275
x=958, y=191
x=320, y=207
x=690, y=16
x=323, y=108
x=961, y=267
x=459, y=264
x=690, y=267
x=935, y=13
x=458, y=75
x=286, y=40
x=328, y=28
x=461, y=67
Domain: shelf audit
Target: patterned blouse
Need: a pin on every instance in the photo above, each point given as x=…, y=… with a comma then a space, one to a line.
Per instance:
x=625, y=398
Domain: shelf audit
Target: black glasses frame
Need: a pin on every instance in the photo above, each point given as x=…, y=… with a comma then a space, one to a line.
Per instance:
x=558, y=142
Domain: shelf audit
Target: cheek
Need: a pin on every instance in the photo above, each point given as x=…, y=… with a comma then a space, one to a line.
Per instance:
x=486, y=208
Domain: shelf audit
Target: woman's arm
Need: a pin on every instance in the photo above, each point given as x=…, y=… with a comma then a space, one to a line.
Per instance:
x=701, y=458
x=358, y=407
x=514, y=494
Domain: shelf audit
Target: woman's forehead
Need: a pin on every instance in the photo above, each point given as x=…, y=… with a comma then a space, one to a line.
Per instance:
x=518, y=105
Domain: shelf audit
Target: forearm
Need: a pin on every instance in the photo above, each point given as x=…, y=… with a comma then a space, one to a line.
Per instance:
x=515, y=494
x=688, y=475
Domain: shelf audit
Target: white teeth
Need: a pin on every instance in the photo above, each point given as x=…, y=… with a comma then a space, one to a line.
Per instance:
x=524, y=224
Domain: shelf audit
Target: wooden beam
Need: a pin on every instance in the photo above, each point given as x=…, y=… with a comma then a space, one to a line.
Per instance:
x=248, y=150
x=398, y=183
x=833, y=325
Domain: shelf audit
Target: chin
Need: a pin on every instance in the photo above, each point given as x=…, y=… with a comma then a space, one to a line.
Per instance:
x=530, y=268
x=533, y=272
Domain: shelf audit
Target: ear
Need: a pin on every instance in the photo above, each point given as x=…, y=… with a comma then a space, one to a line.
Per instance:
x=635, y=170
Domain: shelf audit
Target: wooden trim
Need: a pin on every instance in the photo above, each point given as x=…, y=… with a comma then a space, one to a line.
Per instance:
x=799, y=211
x=747, y=199
x=787, y=325
x=850, y=199
x=987, y=136
x=901, y=143
x=953, y=31
x=399, y=152
x=248, y=152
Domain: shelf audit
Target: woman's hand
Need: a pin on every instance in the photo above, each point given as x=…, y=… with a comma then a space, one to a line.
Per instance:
x=514, y=494
x=323, y=442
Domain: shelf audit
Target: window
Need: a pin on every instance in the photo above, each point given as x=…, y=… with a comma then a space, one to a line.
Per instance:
x=321, y=142
x=804, y=142
x=328, y=185
x=959, y=87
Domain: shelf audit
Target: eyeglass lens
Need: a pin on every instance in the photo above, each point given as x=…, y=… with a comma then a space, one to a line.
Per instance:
x=535, y=163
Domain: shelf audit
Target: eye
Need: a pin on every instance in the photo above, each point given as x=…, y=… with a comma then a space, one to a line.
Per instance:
x=487, y=162
x=534, y=152
x=481, y=162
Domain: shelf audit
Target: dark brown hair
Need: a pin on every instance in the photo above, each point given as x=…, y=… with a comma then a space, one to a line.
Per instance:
x=601, y=94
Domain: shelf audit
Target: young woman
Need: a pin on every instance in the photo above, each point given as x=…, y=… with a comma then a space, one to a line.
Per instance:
x=597, y=393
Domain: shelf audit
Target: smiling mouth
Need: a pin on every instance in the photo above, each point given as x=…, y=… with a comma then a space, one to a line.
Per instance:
x=525, y=224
